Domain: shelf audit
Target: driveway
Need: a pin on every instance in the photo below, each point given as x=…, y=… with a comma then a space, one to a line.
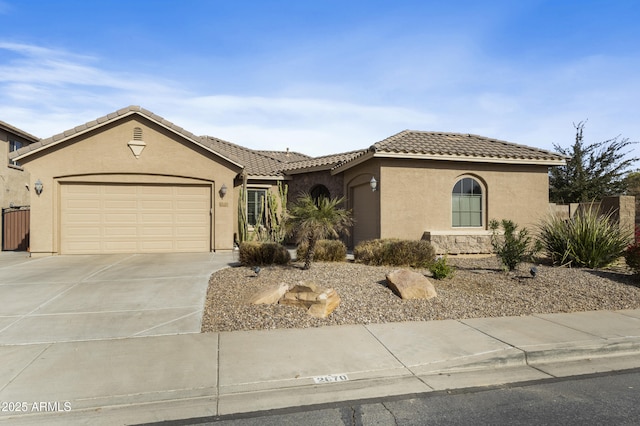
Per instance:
x=93, y=297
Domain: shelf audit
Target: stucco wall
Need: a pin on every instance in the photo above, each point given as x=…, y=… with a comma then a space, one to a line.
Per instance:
x=13, y=179
x=103, y=155
x=415, y=198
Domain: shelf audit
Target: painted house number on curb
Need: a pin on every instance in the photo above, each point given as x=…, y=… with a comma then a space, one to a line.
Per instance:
x=331, y=379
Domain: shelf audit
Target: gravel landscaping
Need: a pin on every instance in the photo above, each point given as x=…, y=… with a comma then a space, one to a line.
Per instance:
x=479, y=288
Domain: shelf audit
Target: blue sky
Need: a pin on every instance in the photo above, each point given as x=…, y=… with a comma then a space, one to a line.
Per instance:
x=327, y=76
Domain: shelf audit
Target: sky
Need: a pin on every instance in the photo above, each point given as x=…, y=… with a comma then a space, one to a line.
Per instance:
x=328, y=76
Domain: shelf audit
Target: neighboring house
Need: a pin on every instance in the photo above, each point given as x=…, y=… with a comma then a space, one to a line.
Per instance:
x=14, y=190
x=132, y=182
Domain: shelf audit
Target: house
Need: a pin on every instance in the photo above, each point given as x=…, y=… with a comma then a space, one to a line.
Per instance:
x=14, y=190
x=132, y=181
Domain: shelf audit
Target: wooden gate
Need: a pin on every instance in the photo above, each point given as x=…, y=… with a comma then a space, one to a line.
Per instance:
x=15, y=229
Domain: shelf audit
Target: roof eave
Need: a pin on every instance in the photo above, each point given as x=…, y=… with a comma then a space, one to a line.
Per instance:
x=301, y=170
x=30, y=152
x=472, y=158
x=352, y=163
x=21, y=133
x=267, y=177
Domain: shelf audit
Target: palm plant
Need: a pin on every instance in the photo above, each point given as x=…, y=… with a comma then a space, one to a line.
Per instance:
x=315, y=219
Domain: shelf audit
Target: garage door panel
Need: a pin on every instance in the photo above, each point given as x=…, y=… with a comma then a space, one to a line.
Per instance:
x=120, y=218
x=85, y=204
x=119, y=189
x=167, y=218
x=84, y=231
x=119, y=231
x=78, y=218
x=191, y=205
x=156, y=204
x=114, y=218
x=119, y=246
x=189, y=232
x=119, y=204
x=157, y=190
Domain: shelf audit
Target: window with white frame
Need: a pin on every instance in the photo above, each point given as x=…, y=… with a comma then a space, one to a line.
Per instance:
x=255, y=205
x=466, y=199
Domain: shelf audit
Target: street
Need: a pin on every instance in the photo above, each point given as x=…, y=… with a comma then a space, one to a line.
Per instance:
x=611, y=398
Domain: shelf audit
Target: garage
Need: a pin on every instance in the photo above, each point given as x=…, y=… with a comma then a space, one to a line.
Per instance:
x=134, y=218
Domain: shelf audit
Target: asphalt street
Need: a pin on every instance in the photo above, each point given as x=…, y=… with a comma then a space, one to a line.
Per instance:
x=598, y=399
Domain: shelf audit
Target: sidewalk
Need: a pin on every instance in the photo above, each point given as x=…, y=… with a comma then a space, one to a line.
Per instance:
x=147, y=379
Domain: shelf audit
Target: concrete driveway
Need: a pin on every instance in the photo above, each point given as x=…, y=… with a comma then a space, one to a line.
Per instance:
x=72, y=298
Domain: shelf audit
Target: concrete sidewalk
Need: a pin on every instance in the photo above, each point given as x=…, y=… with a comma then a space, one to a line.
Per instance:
x=146, y=379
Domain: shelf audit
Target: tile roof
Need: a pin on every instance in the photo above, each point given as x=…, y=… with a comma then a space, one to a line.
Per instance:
x=459, y=145
x=285, y=156
x=325, y=162
x=256, y=163
x=132, y=109
x=274, y=164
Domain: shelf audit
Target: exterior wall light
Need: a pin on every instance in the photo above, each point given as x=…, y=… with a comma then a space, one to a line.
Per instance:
x=223, y=190
x=38, y=187
x=374, y=184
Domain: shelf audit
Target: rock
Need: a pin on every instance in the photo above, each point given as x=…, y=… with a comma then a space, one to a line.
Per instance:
x=326, y=303
x=318, y=301
x=270, y=295
x=410, y=285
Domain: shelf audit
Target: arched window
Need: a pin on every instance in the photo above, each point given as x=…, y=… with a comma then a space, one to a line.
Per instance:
x=466, y=200
x=319, y=191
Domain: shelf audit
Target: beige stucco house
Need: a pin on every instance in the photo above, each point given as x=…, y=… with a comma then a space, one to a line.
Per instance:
x=133, y=182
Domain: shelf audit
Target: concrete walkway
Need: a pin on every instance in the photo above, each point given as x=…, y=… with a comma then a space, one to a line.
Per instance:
x=146, y=379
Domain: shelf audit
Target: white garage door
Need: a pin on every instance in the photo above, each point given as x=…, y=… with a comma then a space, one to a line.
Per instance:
x=118, y=218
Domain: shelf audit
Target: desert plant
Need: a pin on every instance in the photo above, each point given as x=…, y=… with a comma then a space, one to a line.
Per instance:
x=589, y=239
x=253, y=253
x=395, y=252
x=512, y=246
x=271, y=218
x=326, y=251
x=441, y=269
x=312, y=220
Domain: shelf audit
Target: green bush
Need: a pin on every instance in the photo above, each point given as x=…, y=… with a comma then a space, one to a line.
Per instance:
x=395, y=252
x=253, y=253
x=441, y=269
x=326, y=251
x=512, y=248
x=589, y=239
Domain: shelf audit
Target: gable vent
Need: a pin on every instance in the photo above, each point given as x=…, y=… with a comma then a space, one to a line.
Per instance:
x=137, y=144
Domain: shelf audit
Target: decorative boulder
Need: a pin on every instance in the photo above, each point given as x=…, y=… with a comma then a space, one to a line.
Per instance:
x=270, y=295
x=318, y=301
x=410, y=285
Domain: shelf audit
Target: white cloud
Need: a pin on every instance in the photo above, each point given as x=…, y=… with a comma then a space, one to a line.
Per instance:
x=47, y=91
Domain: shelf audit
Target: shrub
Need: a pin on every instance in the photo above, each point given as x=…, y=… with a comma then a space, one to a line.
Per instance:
x=632, y=254
x=326, y=251
x=441, y=269
x=512, y=248
x=253, y=253
x=589, y=239
x=395, y=252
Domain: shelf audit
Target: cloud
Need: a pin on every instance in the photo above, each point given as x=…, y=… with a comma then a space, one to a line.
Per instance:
x=47, y=91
